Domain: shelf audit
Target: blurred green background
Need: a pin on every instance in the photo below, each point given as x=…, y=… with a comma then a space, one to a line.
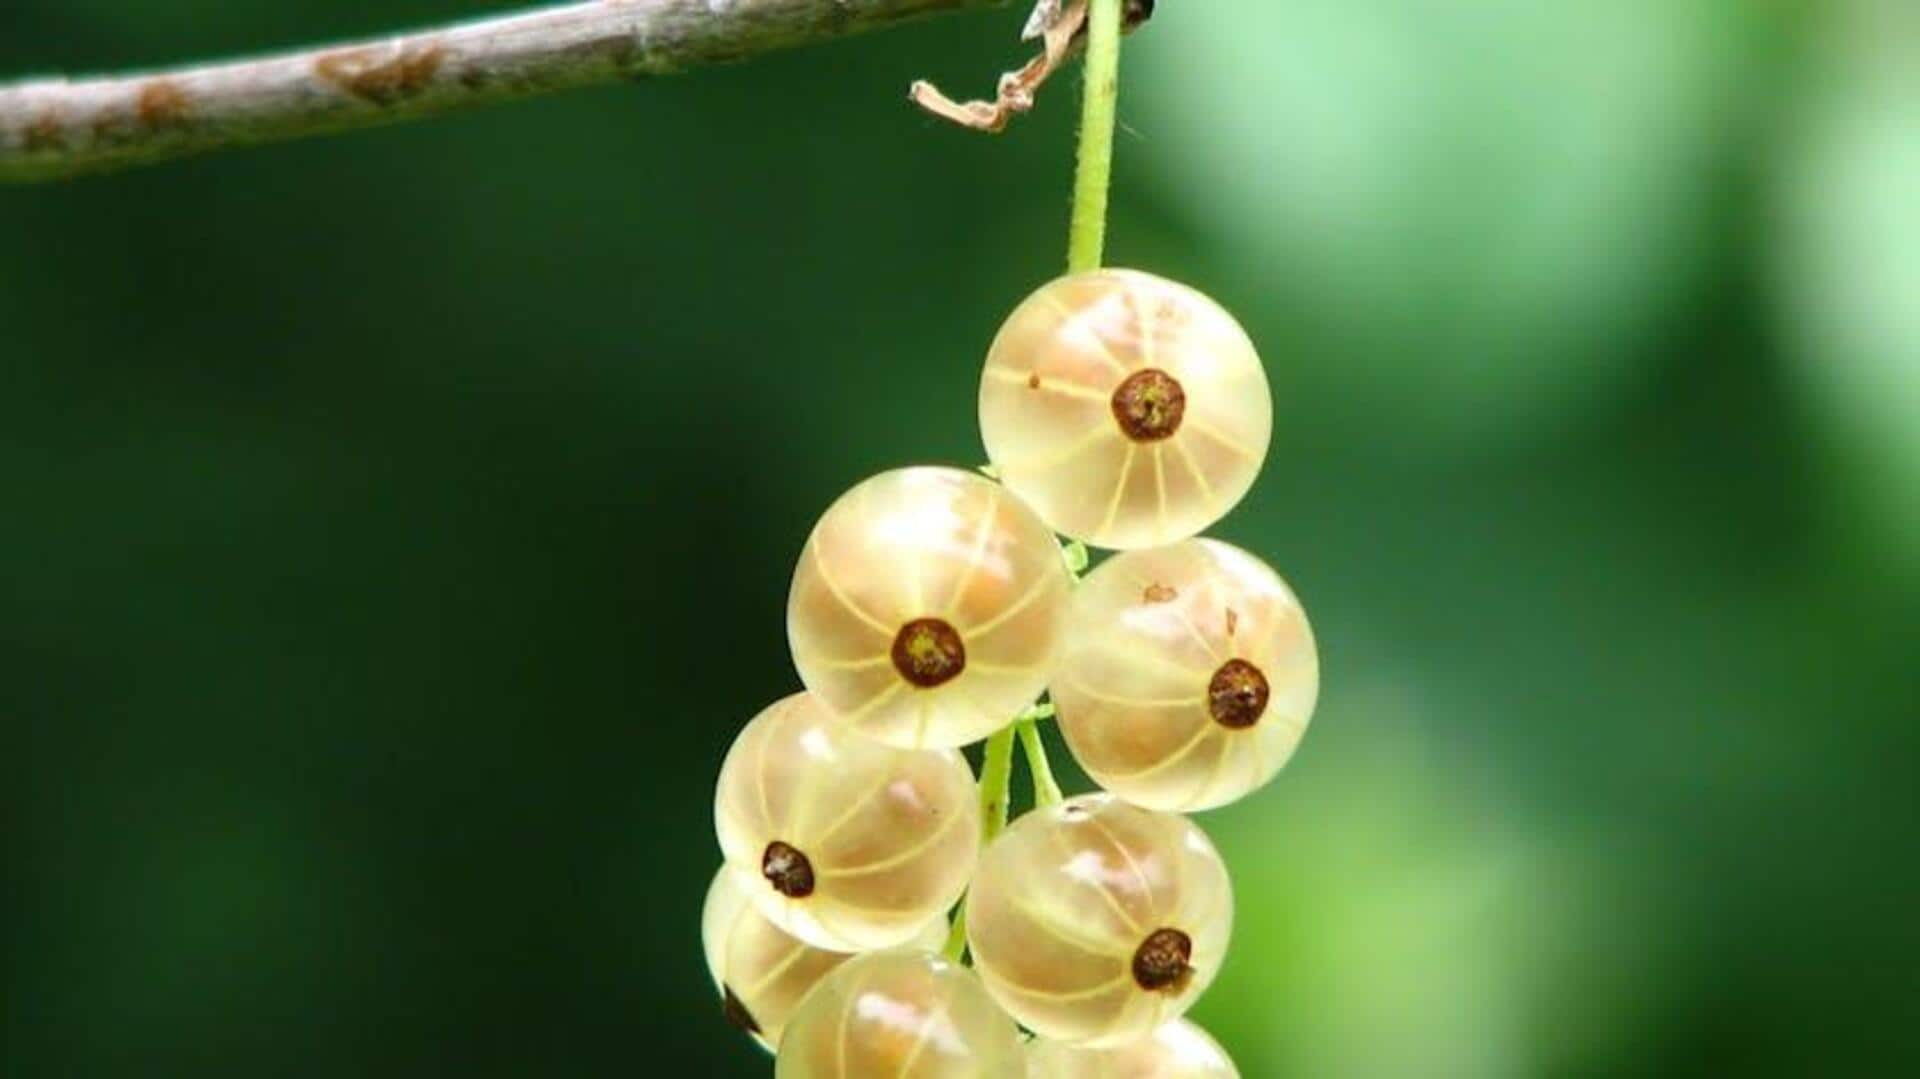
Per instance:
x=397, y=527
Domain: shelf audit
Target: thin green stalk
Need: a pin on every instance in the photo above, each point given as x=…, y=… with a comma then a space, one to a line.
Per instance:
x=1086, y=244
x=996, y=781
x=1087, y=238
x=1046, y=790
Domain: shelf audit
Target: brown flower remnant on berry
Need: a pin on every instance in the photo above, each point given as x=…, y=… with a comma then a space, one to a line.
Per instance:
x=736, y=1012
x=1163, y=961
x=1237, y=695
x=1160, y=593
x=1033, y=381
x=928, y=652
x=787, y=870
x=1149, y=405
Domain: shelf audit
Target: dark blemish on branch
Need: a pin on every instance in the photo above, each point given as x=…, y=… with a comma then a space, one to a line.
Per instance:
x=44, y=132
x=375, y=74
x=161, y=103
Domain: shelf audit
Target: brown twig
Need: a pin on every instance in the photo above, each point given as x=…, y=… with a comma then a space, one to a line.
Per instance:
x=56, y=128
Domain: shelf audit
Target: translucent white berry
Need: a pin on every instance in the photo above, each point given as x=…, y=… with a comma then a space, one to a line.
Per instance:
x=1127, y=410
x=763, y=973
x=842, y=841
x=1095, y=921
x=927, y=606
x=1188, y=677
x=900, y=1014
x=1178, y=1050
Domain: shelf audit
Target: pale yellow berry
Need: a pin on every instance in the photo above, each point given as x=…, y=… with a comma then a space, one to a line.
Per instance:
x=927, y=606
x=1095, y=921
x=762, y=973
x=1178, y=1050
x=1188, y=676
x=842, y=841
x=1126, y=409
x=900, y=1014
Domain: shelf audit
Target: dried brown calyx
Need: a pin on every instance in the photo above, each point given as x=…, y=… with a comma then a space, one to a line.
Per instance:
x=1237, y=695
x=788, y=870
x=1149, y=405
x=1062, y=27
x=928, y=652
x=1164, y=961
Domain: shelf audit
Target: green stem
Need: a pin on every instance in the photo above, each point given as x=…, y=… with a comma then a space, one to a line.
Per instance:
x=996, y=780
x=1086, y=240
x=1046, y=790
x=1086, y=244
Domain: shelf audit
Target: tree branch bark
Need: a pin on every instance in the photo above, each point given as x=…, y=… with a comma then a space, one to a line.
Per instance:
x=57, y=128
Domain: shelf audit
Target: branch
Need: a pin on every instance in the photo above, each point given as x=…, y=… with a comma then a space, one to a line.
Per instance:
x=58, y=128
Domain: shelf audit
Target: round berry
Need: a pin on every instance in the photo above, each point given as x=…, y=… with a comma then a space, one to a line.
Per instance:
x=926, y=609
x=1188, y=676
x=1095, y=921
x=762, y=973
x=1178, y=1050
x=900, y=1014
x=1128, y=410
x=844, y=842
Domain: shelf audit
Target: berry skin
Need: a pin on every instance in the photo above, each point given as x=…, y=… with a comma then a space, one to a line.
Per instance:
x=899, y=1013
x=1094, y=921
x=1188, y=677
x=844, y=842
x=762, y=974
x=1178, y=1050
x=927, y=607
x=1127, y=410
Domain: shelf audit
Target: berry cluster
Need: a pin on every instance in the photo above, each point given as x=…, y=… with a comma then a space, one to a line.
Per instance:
x=929, y=610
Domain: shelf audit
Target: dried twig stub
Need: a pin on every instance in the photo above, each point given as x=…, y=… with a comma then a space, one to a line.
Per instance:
x=1016, y=88
x=1061, y=25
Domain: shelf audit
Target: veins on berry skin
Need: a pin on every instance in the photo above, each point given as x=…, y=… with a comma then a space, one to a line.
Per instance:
x=1237, y=695
x=788, y=870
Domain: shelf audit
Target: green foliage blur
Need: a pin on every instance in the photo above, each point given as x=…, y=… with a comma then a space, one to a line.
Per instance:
x=396, y=527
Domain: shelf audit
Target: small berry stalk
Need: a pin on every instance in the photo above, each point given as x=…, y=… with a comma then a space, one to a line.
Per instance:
x=933, y=608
